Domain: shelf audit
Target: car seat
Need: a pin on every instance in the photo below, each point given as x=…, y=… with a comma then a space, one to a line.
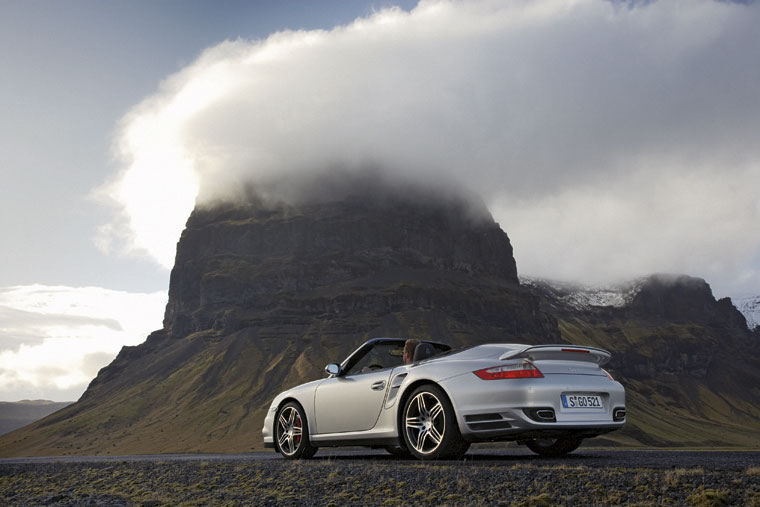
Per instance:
x=423, y=351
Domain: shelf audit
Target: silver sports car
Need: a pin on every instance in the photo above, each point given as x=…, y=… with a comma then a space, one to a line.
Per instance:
x=548, y=397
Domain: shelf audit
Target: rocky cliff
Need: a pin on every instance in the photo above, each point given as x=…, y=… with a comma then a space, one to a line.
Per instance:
x=358, y=260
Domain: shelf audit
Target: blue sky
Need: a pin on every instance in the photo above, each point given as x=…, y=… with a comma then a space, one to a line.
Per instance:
x=610, y=141
x=70, y=71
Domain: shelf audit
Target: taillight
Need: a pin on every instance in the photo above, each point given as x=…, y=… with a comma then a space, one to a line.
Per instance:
x=520, y=370
x=608, y=374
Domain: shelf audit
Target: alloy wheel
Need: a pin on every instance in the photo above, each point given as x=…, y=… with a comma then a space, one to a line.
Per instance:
x=425, y=422
x=289, y=430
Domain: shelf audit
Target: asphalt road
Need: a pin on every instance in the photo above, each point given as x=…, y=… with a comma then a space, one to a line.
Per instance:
x=592, y=458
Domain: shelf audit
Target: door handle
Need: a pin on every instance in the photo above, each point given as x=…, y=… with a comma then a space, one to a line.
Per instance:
x=378, y=386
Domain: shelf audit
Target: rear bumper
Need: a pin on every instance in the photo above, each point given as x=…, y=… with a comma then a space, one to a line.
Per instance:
x=522, y=409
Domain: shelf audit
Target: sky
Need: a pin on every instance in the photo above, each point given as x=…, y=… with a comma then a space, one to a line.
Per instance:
x=609, y=139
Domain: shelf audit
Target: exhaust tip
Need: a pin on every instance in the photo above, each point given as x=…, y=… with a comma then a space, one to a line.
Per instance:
x=618, y=414
x=541, y=414
x=545, y=414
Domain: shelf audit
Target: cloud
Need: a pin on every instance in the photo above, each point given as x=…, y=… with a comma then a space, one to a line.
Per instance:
x=54, y=339
x=609, y=139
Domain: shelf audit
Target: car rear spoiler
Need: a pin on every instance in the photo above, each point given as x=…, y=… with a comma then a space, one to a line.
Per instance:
x=560, y=353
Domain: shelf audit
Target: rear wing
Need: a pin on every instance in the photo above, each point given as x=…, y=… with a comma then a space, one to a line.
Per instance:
x=560, y=353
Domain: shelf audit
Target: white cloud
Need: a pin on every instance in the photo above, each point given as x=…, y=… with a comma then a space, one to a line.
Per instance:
x=610, y=139
x=644, y=223
x=54, y=339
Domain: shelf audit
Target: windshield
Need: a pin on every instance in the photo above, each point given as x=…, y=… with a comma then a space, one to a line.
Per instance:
x=382, y=355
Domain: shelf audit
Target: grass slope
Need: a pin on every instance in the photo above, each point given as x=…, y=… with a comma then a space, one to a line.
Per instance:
x=216, y=399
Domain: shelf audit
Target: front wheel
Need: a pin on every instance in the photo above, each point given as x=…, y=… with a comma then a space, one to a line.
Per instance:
x=429, y=425
x=553, y=447
x=291, y=432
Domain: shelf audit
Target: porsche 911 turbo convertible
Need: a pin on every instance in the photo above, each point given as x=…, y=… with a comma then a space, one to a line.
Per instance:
x=548, y=397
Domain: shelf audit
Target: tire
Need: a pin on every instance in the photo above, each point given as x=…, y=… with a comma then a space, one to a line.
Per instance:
x=553, y=447
x=291, y=432
x=429, y=425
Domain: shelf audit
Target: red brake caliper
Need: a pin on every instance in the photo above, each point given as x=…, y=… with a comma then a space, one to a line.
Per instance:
x=298, y=425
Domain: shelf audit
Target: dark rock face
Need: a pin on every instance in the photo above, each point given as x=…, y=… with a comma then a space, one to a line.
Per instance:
x=681, y=298
x=696, y=328
x=252, y=264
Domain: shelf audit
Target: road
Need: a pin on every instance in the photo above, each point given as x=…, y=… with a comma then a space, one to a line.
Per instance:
x=592, y=458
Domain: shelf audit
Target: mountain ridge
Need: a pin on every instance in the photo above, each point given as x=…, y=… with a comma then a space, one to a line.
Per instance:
x=17, y=414
x=688, y=361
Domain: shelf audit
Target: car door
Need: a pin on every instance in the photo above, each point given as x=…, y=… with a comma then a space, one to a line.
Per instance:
x=353, y=401
x=350, y=402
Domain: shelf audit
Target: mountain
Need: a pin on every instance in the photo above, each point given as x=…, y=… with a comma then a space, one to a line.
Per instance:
x=263, y=295
x=689, y=362
x=16, y=414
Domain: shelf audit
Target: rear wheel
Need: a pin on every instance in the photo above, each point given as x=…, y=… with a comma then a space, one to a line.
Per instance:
x=429, y=425
x=291, y=432
x=552, y=447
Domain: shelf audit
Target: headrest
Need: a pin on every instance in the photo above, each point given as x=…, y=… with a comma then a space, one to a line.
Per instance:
x=423, y=351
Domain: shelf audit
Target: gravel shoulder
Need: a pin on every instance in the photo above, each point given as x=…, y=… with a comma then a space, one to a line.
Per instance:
x=371, y=478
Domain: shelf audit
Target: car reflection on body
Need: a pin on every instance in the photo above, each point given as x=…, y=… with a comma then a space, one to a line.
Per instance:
x=548, y=397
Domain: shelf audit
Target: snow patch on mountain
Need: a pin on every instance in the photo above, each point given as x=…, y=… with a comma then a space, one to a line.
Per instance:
x=580, y=296
x=750, y=308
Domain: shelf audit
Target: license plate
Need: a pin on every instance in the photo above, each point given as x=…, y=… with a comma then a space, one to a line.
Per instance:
x=581, y=401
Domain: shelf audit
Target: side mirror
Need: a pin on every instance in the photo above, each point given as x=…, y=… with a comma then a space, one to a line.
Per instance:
x=333, y=369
